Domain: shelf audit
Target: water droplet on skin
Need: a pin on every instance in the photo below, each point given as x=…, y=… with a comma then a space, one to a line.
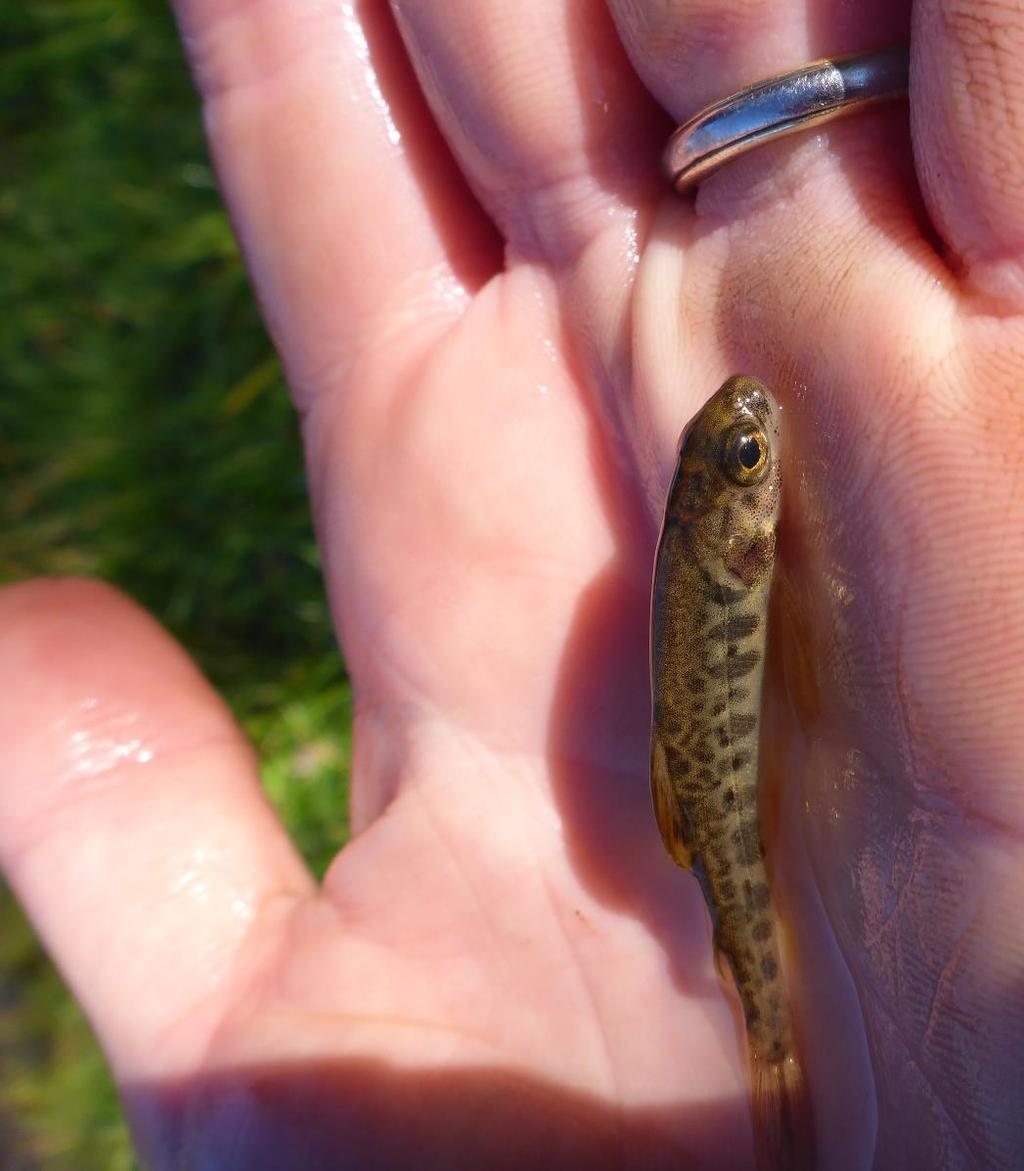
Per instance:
x=447, y=290
x=97, y=741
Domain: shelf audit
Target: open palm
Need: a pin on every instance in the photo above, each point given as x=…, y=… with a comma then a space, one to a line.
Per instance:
x=493, y=357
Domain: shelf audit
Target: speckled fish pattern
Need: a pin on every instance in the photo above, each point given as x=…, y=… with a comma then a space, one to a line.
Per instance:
x=709, y=627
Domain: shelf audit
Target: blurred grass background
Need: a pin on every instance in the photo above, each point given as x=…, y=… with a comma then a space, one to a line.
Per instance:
x=146, y=438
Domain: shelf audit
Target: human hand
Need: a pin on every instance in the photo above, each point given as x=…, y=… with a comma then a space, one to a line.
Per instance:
x=503, y=967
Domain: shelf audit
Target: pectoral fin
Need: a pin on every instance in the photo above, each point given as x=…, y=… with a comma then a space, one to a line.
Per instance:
x=672, y=820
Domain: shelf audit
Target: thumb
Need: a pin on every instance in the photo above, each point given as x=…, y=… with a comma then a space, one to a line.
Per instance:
x=132, y=825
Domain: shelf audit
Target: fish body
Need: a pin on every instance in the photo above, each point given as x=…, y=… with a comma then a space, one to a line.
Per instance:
x=709, y=623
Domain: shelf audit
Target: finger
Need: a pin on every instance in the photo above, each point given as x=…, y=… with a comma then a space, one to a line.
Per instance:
x=693, y=52
x=132, y=825
x=352, y=216
x=968, y=121
x=543, y=111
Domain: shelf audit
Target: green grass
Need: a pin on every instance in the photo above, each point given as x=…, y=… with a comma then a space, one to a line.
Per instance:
x=146, y=438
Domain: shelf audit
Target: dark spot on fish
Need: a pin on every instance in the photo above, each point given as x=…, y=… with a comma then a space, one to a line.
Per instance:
x=707, y=778
x=716, y=857
x=726, y=596
x=722, y=735
x=723, y=867
x=742, y=625
x=742, y=723
x=769, y=968
x=735, y=627
x=727, y=890
x=685, y=739
x=723, y=765
x=673, y=757
x=729, y=798
x=748, y=844
x=762, y=931
x=718, y=707
x=736, y=667
x=736, y=694
x=762, y=896
x=703, y=754
x=696, y=682
x=753, y=1014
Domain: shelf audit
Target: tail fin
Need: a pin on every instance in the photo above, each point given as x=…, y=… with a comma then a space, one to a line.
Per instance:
x=783, y=1126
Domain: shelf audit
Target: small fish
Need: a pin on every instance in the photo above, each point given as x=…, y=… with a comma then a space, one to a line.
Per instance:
x=709, y=618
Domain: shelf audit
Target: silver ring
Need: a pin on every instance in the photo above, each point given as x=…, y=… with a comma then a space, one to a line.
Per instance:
x=783, y=105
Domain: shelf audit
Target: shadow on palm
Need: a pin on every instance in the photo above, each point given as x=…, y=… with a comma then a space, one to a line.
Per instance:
x=373, y=1115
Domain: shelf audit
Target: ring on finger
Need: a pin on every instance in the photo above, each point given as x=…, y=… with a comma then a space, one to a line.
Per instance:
x=782, y=105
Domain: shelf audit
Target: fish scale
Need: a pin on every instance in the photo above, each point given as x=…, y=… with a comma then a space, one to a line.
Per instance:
x=708, y=636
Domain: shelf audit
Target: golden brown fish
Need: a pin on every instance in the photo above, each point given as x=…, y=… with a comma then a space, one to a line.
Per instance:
x=708, y=630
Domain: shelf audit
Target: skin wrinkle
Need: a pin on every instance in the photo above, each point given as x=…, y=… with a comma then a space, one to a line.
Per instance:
x=235, y=992
x=411, y=322
x=900, y=994
x=974, y=178
x=417, y=718
x=904, y=693
x=416, y=698
x=945, y=976
x=683, y=45
x=414, y=1025
x=916, y=1061
x=583, y=362
x=495, y=933
x=611, y=1082
x=874, y=937
x=916, y=766
x=560, y=219
x=974, y=32
x=513, y=191
x=483, y=913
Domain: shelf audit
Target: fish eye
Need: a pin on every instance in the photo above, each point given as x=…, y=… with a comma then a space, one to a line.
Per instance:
x=745, y=454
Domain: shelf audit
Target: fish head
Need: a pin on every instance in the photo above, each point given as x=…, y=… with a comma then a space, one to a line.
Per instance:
x=728, y=483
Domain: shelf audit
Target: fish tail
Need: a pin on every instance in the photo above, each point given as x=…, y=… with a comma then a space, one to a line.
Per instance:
x=783, y=1126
